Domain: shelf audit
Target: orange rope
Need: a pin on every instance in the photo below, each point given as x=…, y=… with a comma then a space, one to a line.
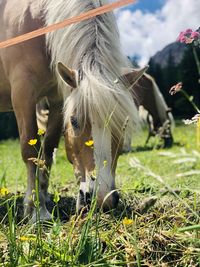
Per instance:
x=87, y=15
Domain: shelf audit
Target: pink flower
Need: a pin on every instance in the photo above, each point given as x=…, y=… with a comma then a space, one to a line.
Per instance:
x=188, y=36
x=176, y=88
x=181, y=36
x=188, y=31
x=182, y=39
x=189, y=40
x=195, y=35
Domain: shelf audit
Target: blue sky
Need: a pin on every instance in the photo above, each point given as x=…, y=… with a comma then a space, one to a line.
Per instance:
x=149, y=25
x=147, y=5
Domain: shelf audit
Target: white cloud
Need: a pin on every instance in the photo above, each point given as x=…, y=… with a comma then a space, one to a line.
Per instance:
x=146, y=33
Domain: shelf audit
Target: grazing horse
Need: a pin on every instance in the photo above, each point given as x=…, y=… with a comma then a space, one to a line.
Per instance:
x=146, y=94
x=94, y=106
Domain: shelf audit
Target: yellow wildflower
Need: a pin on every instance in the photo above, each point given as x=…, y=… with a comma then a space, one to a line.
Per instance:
x=127, y=221
x=26, y=238
x=41, y=132
x=4, y=191
x=32, y=142
x=104, y=163
x=23, y=238
x=89, y=143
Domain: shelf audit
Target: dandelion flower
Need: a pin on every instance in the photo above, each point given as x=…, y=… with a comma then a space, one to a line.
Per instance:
x=23, y=238
x=41, y=132
x=26, y=238
x=127, y=221
x=4, y=191
x=89, y=143
x=32, y=142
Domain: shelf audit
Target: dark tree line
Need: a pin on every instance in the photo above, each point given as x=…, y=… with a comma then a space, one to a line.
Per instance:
x=185, y=72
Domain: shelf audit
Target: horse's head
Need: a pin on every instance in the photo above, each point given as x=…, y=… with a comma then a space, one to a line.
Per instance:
x=93, y=145
x=83, y=151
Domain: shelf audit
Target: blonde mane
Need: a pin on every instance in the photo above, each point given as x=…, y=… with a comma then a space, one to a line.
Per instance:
x=93, y=49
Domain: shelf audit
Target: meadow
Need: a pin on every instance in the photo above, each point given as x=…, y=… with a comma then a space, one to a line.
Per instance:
x=155, y=224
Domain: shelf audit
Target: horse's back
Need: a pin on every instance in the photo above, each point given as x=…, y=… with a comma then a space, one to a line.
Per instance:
x=27, y=60
x=18, y=17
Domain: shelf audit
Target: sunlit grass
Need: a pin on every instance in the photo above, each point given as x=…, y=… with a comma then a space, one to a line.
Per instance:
x=141, y=232
x=13, y=172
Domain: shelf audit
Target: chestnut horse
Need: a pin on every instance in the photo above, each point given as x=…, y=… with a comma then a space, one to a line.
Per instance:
x=146, y=94
x=94, y=106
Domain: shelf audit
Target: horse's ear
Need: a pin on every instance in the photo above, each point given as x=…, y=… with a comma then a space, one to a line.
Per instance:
x=133, y=75
x=67, y=74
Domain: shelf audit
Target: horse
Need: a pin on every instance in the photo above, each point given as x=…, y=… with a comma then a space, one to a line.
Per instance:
x=83, y=99
x=149, y=100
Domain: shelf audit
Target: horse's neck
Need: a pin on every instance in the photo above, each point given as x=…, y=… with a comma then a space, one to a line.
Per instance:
x=95, y=39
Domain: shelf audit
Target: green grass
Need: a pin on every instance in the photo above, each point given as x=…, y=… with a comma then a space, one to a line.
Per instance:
x=14, y=172
x=167, y=165
x=165, y=232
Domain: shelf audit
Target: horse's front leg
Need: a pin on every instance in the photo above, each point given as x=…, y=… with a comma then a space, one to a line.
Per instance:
x=24, y=105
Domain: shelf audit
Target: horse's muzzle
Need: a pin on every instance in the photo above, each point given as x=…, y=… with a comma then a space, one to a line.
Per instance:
x=108, y=203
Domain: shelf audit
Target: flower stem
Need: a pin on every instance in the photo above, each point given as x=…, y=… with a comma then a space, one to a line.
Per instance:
x=196, y=59
x=191, y=101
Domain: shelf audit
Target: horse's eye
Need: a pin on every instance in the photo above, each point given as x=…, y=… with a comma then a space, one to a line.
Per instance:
x=74, y=123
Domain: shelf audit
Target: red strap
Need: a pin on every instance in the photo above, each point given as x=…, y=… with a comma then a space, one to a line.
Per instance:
x=90, y=14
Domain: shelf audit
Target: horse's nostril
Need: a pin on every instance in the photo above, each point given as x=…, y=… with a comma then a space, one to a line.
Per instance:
x=81, y=197
x=93, y=178
x=111, y=202
x=88, y=198
x=115, y=199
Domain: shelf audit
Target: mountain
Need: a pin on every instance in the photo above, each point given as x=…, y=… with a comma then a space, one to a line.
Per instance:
x=172, y=52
